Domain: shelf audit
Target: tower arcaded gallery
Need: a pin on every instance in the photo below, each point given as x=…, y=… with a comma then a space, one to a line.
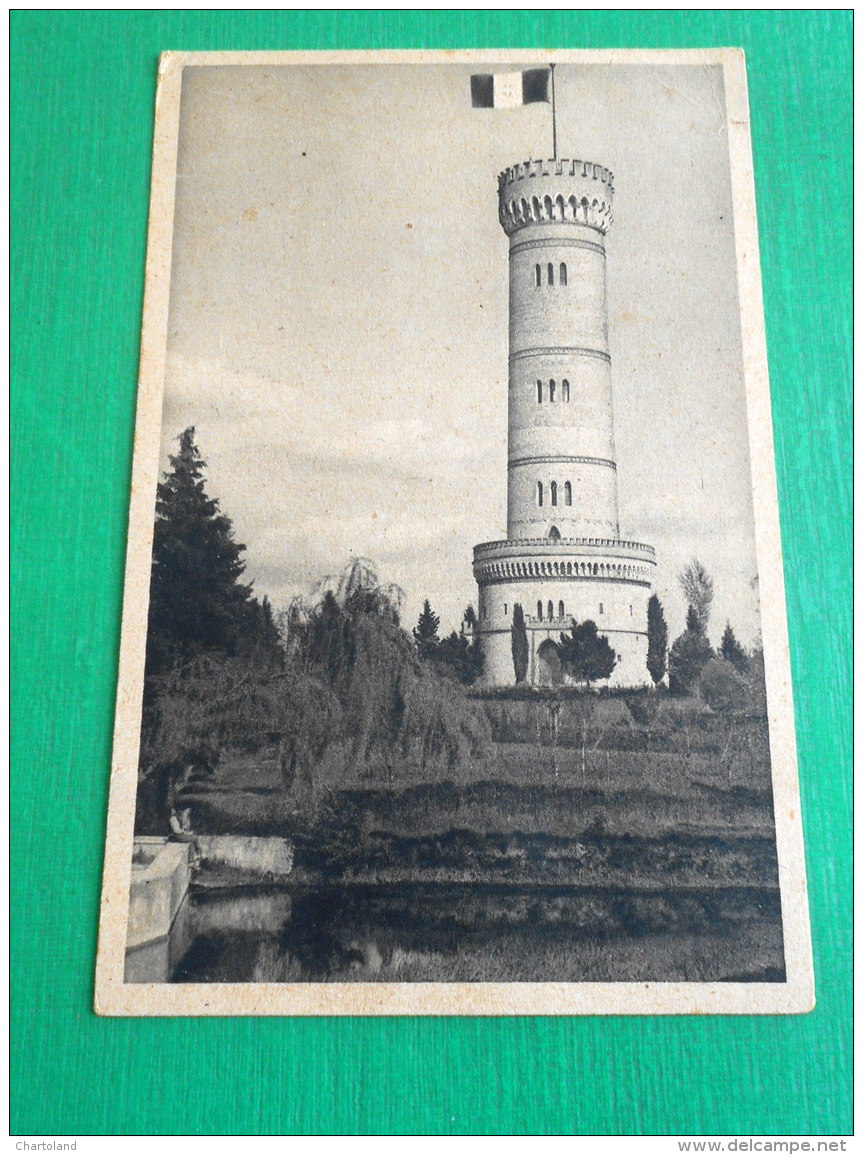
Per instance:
x=563, y=558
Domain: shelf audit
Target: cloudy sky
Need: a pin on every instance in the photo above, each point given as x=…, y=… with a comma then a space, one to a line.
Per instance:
x=338, y=322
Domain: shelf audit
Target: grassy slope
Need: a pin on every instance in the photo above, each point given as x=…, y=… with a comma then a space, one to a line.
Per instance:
x=687, y=798
x=609, y=850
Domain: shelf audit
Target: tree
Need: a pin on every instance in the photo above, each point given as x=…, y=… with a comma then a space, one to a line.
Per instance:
x=697, y=586
x=425, y=631
x=262, y=634
x=586, y=654
x=756, y=678
x=476, y=661
x=197, y=602
x=394, y=708
x=723, y=687
x=330, y=649
x=469, y=619
x=200, y=709
x=732, y=651
x=520, y=649
x=687, y=658
x=464, y=657
x=657, y=640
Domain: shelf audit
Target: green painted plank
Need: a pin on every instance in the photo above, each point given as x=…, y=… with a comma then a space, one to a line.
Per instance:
x=82, y=94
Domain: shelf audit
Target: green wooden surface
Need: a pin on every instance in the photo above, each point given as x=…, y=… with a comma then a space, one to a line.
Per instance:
x=82, y=97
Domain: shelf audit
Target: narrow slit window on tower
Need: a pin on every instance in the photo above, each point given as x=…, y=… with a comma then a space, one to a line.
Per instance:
x=601, y=609
x=539, y=392
x=552, y=389
x=539, y=610
x=554, y=493
x=550, y=273
x=564, y=391
x=504, y=609
x=550, y=611
x=567, y=493
x=539, y=493
x=538, y=276
x=560, y=612
x=562, y=273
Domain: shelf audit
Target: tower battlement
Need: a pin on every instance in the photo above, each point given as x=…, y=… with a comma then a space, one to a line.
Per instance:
x=543, y=191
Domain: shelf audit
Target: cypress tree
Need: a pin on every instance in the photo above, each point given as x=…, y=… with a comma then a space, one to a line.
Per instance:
x=657, y=640
x=520, y=649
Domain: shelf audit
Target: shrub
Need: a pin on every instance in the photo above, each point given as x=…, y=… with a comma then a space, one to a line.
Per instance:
x=643, y=708
x=723, y=688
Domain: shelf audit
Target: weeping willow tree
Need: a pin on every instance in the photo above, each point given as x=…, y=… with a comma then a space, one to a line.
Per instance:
x=214, y=705
x=346, y=686
x=395, y=708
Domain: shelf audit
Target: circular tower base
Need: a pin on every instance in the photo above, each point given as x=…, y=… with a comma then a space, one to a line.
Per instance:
x=606, y=581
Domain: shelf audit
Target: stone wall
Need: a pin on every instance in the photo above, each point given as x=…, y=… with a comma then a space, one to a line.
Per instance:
x=618, y=607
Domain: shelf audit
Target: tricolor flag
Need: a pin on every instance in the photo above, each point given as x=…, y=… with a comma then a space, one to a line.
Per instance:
x=509, y=89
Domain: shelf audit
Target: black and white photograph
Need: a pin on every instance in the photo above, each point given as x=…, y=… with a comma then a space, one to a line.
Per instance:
x=454, y=672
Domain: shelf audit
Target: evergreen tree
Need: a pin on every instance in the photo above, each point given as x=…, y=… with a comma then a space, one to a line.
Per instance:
x=586, y=654
x=687, y=658
x=693, y=622
x=476, y=661
x=732, y=651
x=262, y=633
x=657, y=640
x=425, y=632
x=197, y=602
x=465, y=657
x=697, y=586
x=520, y=648
x=469, y=619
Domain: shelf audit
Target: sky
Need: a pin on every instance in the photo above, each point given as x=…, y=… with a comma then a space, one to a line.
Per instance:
x=339, y=311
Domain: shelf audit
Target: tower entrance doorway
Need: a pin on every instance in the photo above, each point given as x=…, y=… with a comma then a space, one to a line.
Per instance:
x=549, y=669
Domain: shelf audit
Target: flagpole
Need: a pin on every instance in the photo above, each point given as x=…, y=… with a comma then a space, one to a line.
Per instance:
x=553, y=115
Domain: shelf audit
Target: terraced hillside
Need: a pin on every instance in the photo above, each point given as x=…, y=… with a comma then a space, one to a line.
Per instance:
x=585, y=845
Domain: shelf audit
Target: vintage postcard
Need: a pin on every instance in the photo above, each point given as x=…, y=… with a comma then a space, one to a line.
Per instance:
x=454, y=673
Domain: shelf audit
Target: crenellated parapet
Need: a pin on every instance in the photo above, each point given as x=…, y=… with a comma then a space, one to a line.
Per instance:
x=490, y=549
x=574, y=559
x=544, y=191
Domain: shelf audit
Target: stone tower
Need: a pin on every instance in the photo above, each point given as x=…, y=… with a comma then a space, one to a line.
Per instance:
x=563, y=558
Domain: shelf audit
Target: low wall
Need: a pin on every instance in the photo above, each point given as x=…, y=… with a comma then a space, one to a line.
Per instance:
x=155, y=934
x=273, y=856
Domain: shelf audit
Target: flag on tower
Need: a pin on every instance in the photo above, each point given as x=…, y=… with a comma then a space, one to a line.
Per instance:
x=509, y=89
